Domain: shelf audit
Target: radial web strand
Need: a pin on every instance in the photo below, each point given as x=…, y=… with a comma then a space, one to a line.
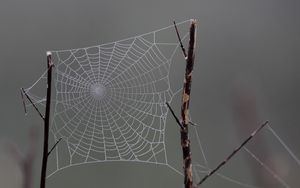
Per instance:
x=110, y=100
x=109, y=105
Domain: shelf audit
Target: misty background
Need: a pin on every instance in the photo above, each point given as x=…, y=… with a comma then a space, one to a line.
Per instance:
x=247, y=53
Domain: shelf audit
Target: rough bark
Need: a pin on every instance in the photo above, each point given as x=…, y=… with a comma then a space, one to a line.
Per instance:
x=185, y=141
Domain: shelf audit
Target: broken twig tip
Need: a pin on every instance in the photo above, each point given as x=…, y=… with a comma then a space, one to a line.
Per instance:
x=193, y=21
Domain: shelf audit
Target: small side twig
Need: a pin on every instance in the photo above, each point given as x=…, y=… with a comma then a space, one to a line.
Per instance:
x=194, y=124
x=180, y=41
x=232, y=154
x=23, y=101
x=34, y=106
x=53, y=147
x=177, y=119
x=174, y=115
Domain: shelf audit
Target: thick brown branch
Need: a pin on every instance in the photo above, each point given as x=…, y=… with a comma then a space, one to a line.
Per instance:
x=46, y=121
x=53, y=147
x=232, y=154
x=34, y=106
x=180, y=41
x=185, y=142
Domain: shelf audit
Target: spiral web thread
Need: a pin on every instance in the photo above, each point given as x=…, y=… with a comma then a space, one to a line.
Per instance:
x=110, y=105
x=110, y=100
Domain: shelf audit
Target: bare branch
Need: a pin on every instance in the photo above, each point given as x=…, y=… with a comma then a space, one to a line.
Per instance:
x=179, y=38
x=174, y=115
x=232, y=154
x=184, y=133
x=35, y=107
x=54, y=146
x=46, y=121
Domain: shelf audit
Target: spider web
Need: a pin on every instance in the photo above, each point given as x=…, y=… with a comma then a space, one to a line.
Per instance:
x=110, y=105
x=110, y=100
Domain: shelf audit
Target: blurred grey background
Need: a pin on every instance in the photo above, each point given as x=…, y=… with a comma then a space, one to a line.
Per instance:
x=246, y=51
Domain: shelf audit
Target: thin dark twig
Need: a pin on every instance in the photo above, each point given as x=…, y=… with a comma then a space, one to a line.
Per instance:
x=23, y=101
x=174, y=115
x=180, y=41
x=46, y=121
x=54, y=146
x=232, y=154
x=35, y=107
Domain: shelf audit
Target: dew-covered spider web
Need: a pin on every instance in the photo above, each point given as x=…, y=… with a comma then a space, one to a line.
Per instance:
x=110, y=99
x=109, y=105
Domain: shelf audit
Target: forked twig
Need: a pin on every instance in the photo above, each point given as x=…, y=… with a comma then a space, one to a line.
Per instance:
x=177, y=119
x=232, y=154
x=30, y=100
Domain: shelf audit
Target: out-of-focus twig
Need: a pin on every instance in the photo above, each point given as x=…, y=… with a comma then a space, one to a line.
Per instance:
x=26, y=161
